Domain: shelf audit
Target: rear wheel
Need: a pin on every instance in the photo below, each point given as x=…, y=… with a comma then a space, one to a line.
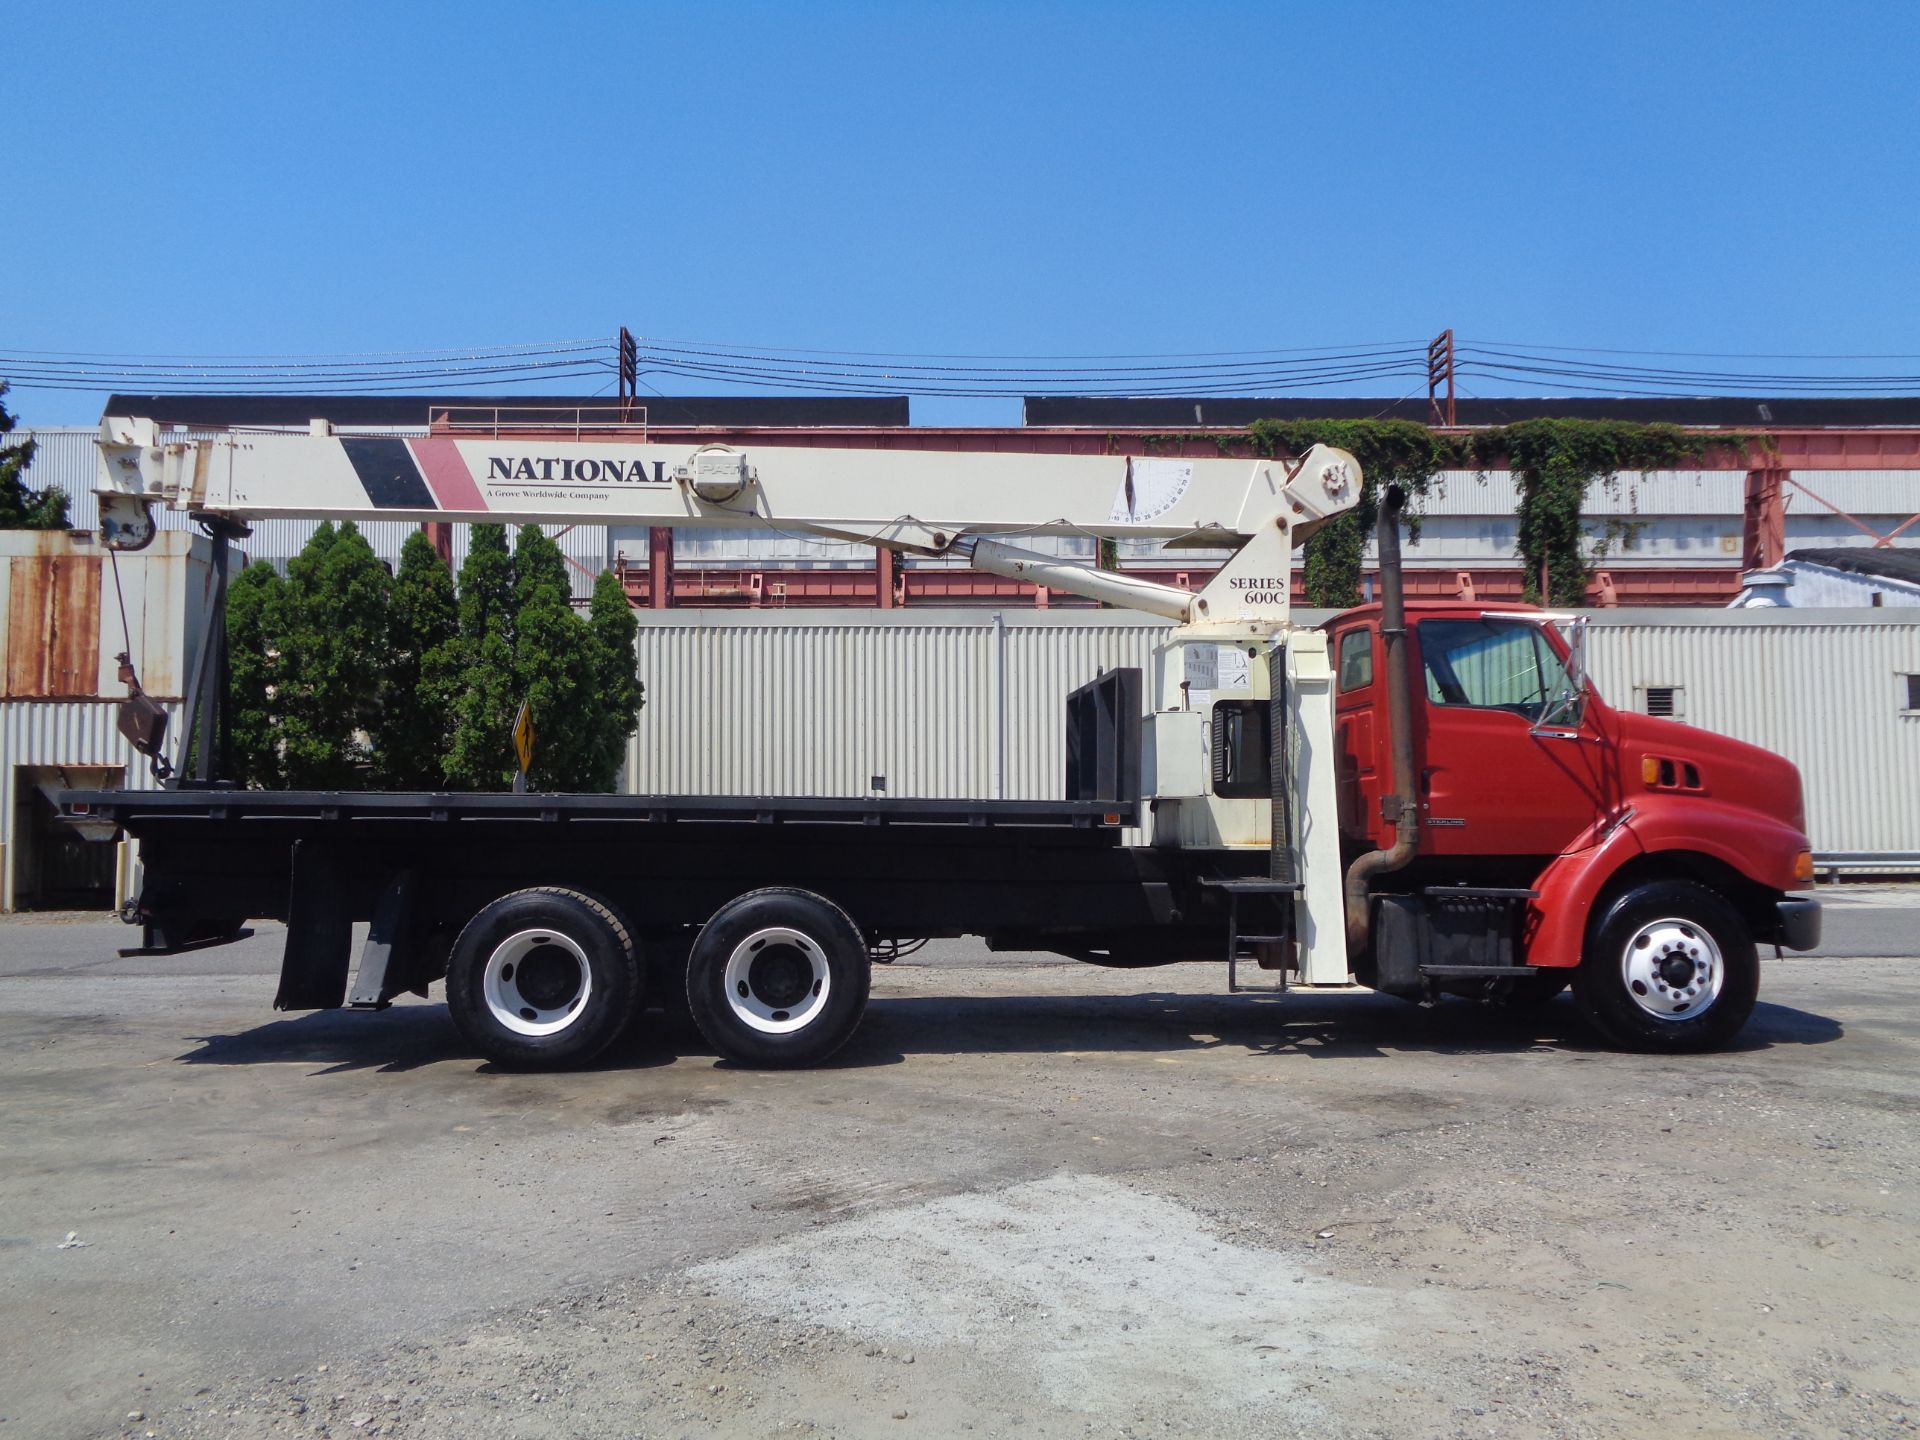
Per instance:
x=543, y=979
x=778, y=978
x=1670, y=966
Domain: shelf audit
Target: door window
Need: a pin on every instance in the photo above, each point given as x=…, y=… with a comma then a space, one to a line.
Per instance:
x=1493, y=665
x=1356, y=660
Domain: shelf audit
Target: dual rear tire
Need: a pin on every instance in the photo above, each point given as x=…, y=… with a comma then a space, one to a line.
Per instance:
x=778, y=978
x=546, y=979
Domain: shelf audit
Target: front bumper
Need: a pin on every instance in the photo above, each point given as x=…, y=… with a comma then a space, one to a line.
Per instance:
x=1799, y=922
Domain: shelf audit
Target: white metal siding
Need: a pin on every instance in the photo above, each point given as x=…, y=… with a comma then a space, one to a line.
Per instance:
x=55, y=733
x=817, y=704
x=1823, y=688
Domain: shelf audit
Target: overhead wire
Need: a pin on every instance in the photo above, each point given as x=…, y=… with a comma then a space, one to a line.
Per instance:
x=765, y=367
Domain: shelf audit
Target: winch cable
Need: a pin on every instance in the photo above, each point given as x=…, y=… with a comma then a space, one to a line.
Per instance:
x=157, y=763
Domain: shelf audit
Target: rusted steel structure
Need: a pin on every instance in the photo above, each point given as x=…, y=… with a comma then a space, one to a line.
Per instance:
x=1770, y=472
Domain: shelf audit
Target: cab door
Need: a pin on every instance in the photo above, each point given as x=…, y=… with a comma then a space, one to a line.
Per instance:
x=1492, y=780
x=1359, y=749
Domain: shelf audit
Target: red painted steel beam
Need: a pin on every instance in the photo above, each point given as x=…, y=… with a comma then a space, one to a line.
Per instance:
x=1890, y=449
x=771, y=587
x=659, y=567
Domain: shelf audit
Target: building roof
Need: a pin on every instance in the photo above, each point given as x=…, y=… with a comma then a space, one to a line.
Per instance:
x=1886, y=562
x=214, y=411
x=1163, y=412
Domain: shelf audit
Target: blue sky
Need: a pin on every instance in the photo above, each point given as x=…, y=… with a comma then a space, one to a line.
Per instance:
x=989, y=178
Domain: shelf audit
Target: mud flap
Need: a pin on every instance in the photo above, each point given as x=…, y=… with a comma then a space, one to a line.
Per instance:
x=313, y=967
x=385, y=958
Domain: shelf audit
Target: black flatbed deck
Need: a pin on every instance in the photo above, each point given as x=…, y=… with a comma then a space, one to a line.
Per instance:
x=143, y=810
x=1056, y=874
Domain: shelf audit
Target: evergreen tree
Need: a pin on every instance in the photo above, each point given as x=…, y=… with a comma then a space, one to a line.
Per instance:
x=553, y=664
x=422, y=674
x=481, y=755
x=331, y=656
x=256, y=599
x=617, y=691
x=537, y=563
x=486, y=584
x=21, y=508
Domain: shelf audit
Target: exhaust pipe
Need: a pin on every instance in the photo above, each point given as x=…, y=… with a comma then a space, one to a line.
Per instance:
x=1398, y=807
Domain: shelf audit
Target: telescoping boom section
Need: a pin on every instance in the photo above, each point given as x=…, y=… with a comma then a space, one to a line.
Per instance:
x=928, y=502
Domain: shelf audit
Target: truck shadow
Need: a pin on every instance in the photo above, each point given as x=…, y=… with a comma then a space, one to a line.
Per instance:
x=412, y=1037
x=404, y=1038
x=1323, y=1027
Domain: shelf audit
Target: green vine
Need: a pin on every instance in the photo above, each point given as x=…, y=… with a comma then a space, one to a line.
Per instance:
x=1555, y=463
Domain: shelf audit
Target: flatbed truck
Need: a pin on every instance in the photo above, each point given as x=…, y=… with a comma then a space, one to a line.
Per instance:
x=1424, y=800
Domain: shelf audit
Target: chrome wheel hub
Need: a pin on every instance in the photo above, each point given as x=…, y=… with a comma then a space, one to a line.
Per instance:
x=1672, y=969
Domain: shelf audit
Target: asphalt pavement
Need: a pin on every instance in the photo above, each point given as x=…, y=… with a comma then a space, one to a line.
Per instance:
x=1028, y=1198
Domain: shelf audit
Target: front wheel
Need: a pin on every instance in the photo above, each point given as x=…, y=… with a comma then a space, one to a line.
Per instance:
x=778, y=978
x=1670, y=966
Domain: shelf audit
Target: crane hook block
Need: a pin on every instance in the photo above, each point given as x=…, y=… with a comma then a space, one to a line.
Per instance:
x=126, y=521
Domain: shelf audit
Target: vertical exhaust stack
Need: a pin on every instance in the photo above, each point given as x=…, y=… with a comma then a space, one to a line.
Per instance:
x=1400, y=806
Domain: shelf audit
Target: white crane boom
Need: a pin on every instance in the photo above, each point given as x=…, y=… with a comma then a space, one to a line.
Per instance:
x=922, y=501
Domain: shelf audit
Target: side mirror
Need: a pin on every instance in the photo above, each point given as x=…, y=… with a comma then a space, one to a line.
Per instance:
x=1569, y=705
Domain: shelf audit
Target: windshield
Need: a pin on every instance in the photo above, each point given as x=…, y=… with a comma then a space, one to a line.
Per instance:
x=1497, y=665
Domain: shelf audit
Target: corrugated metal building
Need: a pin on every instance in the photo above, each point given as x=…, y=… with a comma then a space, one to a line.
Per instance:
x=60, y=636
x=967, y=703
x=1836, y=691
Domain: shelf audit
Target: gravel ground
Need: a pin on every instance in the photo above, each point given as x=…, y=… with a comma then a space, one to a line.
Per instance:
x=1029, y=1198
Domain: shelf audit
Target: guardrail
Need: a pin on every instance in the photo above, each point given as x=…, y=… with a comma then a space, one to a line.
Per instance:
x=1832, y=862
x=579, y=420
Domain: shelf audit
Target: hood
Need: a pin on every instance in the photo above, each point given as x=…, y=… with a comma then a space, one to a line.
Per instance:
x=1731, y=771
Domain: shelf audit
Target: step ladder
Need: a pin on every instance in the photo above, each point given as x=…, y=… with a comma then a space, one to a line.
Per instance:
x=1277, y=895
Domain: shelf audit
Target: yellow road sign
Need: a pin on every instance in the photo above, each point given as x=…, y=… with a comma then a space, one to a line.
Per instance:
x=524, y=736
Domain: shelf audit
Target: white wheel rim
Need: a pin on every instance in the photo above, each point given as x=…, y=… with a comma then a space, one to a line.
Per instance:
x=1673, y=969
x=777, y=980
x=537, y=982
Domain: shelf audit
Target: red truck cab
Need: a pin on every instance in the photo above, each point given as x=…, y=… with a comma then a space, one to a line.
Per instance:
x=1562, y=839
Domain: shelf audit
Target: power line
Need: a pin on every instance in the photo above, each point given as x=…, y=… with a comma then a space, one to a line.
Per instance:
x=767, y=367
x=1690, y=354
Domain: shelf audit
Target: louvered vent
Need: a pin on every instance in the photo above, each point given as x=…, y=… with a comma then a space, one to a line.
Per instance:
x=1664, y=701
